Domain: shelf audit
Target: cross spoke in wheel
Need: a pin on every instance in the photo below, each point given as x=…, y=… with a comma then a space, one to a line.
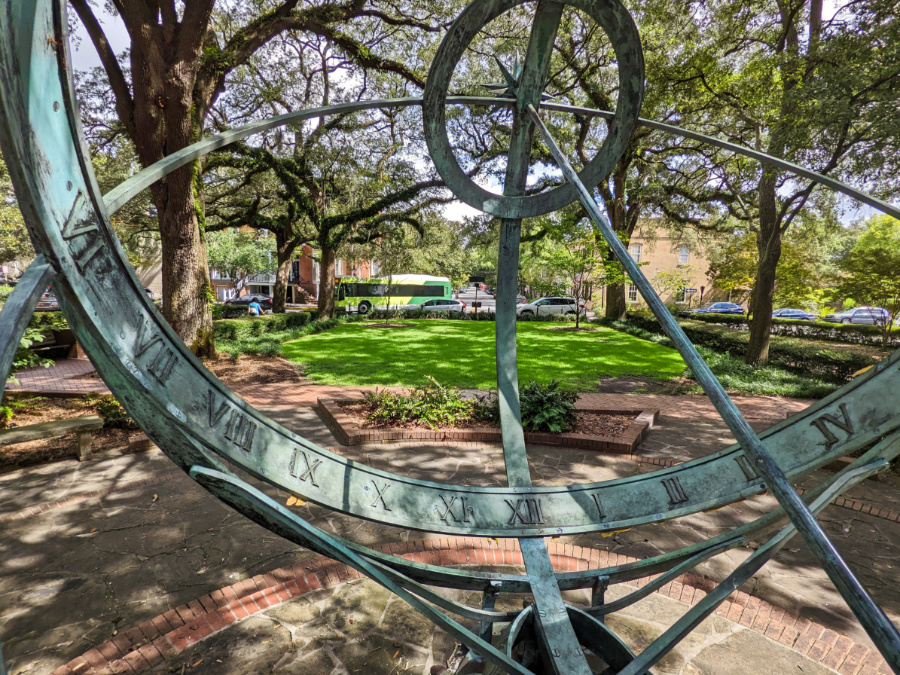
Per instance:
x=18, y=310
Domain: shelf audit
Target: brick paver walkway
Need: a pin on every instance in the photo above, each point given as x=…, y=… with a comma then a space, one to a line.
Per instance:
x=66, y=377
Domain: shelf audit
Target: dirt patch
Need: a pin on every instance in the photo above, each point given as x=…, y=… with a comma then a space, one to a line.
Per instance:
x=35, y=410
x=248, y=369
x=572, y=329
x=586, y=423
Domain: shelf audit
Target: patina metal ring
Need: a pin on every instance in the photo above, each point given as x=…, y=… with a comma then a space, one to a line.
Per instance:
x=616, y=21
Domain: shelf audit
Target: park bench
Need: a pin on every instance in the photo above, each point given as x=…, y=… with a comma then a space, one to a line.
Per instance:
x=82, y=426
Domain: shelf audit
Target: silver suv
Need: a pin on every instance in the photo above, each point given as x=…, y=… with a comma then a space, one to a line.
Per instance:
x=877, y=316
x=543, y=306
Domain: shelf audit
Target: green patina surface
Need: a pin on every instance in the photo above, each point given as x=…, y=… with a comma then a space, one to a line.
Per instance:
x=461, y=354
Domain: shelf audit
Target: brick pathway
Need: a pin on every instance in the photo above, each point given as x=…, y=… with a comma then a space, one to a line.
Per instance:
x=66, y=377
x=160, y=639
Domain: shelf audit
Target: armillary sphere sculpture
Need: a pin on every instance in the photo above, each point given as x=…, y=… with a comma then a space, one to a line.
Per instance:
x=216, y=437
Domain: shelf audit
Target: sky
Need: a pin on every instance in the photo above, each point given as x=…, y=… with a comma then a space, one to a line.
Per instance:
x=85, y=57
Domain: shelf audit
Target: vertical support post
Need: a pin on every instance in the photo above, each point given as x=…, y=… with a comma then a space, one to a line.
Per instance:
x=488, y=600
x=598, y=593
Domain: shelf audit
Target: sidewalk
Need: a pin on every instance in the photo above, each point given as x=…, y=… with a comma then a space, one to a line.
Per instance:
x=124, y=564
x=66, y=377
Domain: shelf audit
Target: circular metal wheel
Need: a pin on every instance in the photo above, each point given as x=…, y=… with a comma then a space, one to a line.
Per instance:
x=364, y=307
x=846, y=321
x=615, y=20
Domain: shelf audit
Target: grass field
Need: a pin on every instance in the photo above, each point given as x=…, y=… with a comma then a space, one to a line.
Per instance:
x=461, y=354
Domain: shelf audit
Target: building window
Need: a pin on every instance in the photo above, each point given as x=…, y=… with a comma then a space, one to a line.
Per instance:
x=684, y=255
x=632, y=292
x=339, y=267
x=374, y=268
x=224, y=293
x=635, y=251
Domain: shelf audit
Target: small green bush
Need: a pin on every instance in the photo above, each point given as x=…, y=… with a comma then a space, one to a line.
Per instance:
x=548, y=407
x=545, y=407
x=433, y=405
x=113, y=414
x=6, y=415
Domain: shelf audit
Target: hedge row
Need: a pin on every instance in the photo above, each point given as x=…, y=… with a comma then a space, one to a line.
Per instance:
x=464, y=316
x=254, y=326
x=827, y=331
x=831, y=365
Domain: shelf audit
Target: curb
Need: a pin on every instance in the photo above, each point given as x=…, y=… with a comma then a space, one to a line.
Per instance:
x=164, y=636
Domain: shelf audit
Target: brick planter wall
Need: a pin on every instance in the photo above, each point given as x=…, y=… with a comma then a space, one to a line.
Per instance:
x=350, y=433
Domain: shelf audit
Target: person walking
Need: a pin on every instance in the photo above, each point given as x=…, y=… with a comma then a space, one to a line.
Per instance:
x=254, y=308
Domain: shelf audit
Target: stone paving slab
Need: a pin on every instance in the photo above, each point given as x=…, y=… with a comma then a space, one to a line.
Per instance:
x=77, y=574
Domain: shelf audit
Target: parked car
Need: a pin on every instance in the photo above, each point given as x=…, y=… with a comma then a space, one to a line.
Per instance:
x=521, y=300
x=543, y=306
x=714, y=308
x=440, y=305
x=788, y=313
x=47, y=302
x=263, y=300
x=863, y=315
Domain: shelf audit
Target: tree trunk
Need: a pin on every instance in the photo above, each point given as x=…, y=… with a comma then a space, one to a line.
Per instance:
x=187, y=292
x=326, y=283
x=768, y=244
x=285, y=251
x=616, y=307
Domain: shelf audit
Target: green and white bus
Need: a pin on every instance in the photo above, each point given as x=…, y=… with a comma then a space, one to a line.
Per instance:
x=404, y=290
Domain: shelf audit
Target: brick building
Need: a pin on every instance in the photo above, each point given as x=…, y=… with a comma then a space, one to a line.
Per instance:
x=673, y=267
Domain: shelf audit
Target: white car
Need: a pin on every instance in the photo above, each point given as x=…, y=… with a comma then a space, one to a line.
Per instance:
x=544, y=306
x=441, y=305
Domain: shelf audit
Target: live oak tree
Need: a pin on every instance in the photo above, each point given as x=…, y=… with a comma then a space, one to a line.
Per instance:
x=346, y=182
x=179, y=60
x=785, y=79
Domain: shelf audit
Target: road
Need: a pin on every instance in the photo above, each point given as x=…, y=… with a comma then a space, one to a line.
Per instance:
x=488, y=304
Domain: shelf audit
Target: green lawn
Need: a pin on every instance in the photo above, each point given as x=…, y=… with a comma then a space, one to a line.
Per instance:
x=461, y=354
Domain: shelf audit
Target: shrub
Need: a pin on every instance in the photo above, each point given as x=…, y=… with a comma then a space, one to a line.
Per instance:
x=113, y=414
x=797, y=355
x=547, y=407
x=265, y=334
x=462, y=316
x=433, y=405
x=812, y=330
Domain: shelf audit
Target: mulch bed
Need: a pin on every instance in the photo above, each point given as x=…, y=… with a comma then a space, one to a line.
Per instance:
x=247, y=369
x=39, y=409
x=611, y=430
x=586, y=423
x=572, y=329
